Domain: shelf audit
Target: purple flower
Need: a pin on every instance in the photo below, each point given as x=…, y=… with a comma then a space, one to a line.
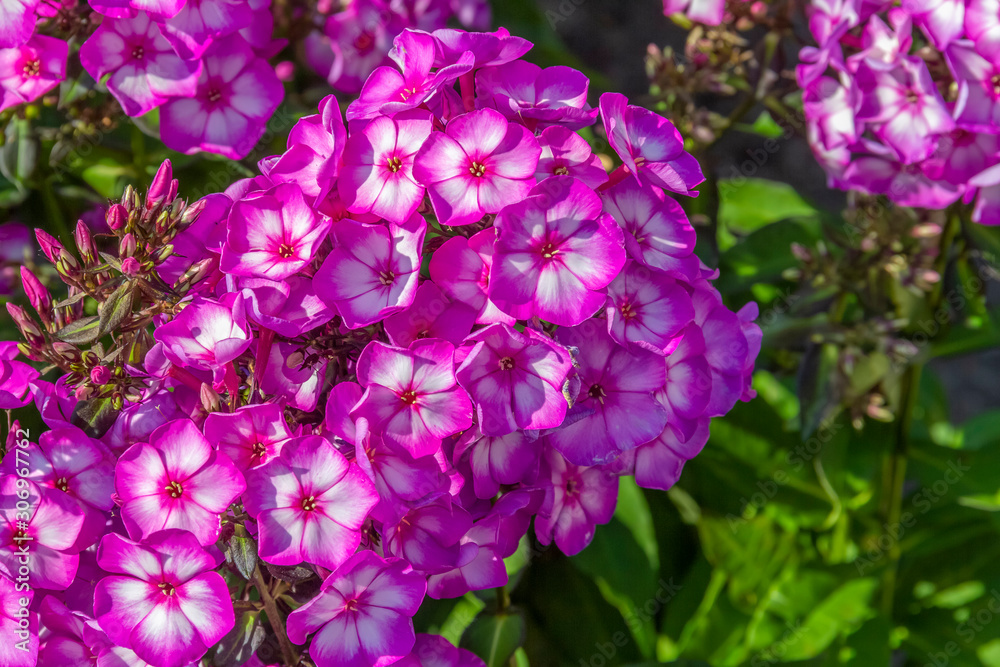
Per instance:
x=526, y=93
x=289, y=378
x=145, y=71
x=506, y=459
x=905, y=105
x=309, y=503
x=207, y=334
x=709, y=12
x=566, y=153
x=515, y=379
x=288, y=307
x=162, y=600
x=480, y=164
x=194, y=28
x=428, y=536
x=436, y=651
x=176, y=480
x=647, y=308
x=431, y=315
x=388, y=91
x=461, y=268
x=615, y=410
x=362, y=615
x=906, y=184
x=32, y=69
x=237, y=93
x=649, y=145
x=480, y=567
x=982, y=26
x=831, y=107
x=17, y=624
x=359, y=37
x=16, y=378
x=411, y=397
x=554, y=251
x=17, y=22
x=488, y=48
x=377, y=176
x=372, y=271
x=978, y=106
x=272, y=234
x=249, y=437
x=657, y=232
x=315, y=146
x=577, y=499
x=48, y=535
x=128, y=8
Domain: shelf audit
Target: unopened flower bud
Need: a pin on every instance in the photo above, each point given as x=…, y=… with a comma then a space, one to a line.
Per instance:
x=52, y=248
x=210, y=399
x=127, y=246
x=163, y=223
x=130, y=198
x=24, y=323
x=84, y=242
x=163, y=253
x=117, y=217
x=67, y=351
x=83, y=392
x=117, y=401
x=191, y=213
x=38, y=296
x=159, y=189
x=131, y=267
x=100, y=375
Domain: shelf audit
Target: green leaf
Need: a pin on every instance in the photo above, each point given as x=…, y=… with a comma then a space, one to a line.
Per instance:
x=94, y=416
x=494, y=638
x=83, y=331
x=242, y=553
x=239, y=645
x=293, y=574
x=842, y=612
x=116, y=308
x=746, y=205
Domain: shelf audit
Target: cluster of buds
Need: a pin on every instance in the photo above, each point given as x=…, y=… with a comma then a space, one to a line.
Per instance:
x=722, y=60
x=112, y=287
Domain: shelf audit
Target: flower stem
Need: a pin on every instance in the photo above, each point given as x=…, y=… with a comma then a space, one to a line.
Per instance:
x=896, y=477
x=274, y=617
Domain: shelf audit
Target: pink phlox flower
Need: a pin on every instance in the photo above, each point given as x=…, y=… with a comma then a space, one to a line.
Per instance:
x=461, y=268
x=566, y=153
x=32, y=69
x=526, y=93
x=249, y=437
x=431, y=315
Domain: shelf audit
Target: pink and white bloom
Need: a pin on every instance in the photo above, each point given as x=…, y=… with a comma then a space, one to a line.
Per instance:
x=709, y=12
x=207, y=334
x=237, y=93
x=16, y=378
x=48, y=535
x=145, y=71
x=17, y=22
x=436, y=651
x=566, y=153
x=128, y=8
x=427, y=536
x=18, y=625
x=657, y=231
x=431, y=315
x=200, y=22
x=577, y=499
x=536, y=97
x=249, y=437
x=309, y=503
x=555, y=251
x=272, y=234
x=162, y=600
x=372, y=271
x=649, y=145
x=377, y=175
x=32, y=69
x=176, y=480
x=478, y=165
x=411, y=396
x=647, y=308
x=615, y=409
x=362, y=615
x=516, y=379
x=506, y=459
x=461, y=268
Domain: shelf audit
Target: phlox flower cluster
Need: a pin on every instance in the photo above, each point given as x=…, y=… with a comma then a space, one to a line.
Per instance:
x=411, y=337
x=904, y=100
x=203, y=63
